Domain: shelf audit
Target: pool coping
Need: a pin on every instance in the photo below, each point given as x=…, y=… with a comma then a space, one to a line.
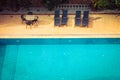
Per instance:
x=59, y=34
x=53, y=41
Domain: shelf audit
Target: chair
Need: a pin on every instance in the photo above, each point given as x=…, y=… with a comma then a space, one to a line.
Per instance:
x=31, y=19
x=57, y=18
x=35, y=21
x=78, y=18
x=29, y=23
x=85, y=20
x=23, y=18
x=64, y=17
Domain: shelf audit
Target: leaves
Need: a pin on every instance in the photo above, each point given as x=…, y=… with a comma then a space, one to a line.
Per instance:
x=106, y=4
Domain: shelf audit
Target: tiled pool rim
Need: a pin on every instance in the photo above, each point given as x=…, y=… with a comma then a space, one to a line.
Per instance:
x=50, y=41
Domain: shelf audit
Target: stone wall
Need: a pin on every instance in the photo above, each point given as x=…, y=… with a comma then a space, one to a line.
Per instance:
x=38, y=3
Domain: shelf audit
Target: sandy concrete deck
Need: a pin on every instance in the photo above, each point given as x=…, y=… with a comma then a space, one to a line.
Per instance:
x=100, y=25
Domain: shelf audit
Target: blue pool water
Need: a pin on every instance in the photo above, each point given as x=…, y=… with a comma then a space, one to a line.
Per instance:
x=60, y=59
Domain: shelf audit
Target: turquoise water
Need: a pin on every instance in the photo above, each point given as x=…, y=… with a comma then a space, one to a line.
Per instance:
x=60, y=62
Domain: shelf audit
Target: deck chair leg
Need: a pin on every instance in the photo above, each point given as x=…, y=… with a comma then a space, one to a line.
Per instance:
x=37, y=23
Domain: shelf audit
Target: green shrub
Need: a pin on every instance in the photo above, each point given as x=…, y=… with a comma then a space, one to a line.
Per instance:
x=106, y=4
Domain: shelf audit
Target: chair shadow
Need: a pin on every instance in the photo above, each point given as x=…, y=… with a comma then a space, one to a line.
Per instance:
x=91, y=20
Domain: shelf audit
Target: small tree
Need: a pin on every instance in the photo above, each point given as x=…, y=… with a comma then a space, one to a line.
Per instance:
x=106, y=4
x=101, y=4
x=117, y=3
x=50, y=4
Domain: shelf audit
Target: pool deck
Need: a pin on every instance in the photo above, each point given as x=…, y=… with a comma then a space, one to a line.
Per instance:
x=100, y=26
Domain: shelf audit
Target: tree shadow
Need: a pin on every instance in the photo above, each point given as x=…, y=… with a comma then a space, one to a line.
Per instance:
x=118, y=15
x=94, y=18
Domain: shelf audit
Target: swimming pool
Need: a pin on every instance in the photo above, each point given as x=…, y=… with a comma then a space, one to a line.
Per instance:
x=60, y=59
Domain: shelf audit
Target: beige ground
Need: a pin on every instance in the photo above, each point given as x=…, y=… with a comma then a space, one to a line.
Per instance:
x=100, y=25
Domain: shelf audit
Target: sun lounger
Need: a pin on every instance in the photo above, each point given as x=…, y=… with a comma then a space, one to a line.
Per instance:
x=85, y=20
x=64, y=17
x=78, y=18
x=57, y=18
